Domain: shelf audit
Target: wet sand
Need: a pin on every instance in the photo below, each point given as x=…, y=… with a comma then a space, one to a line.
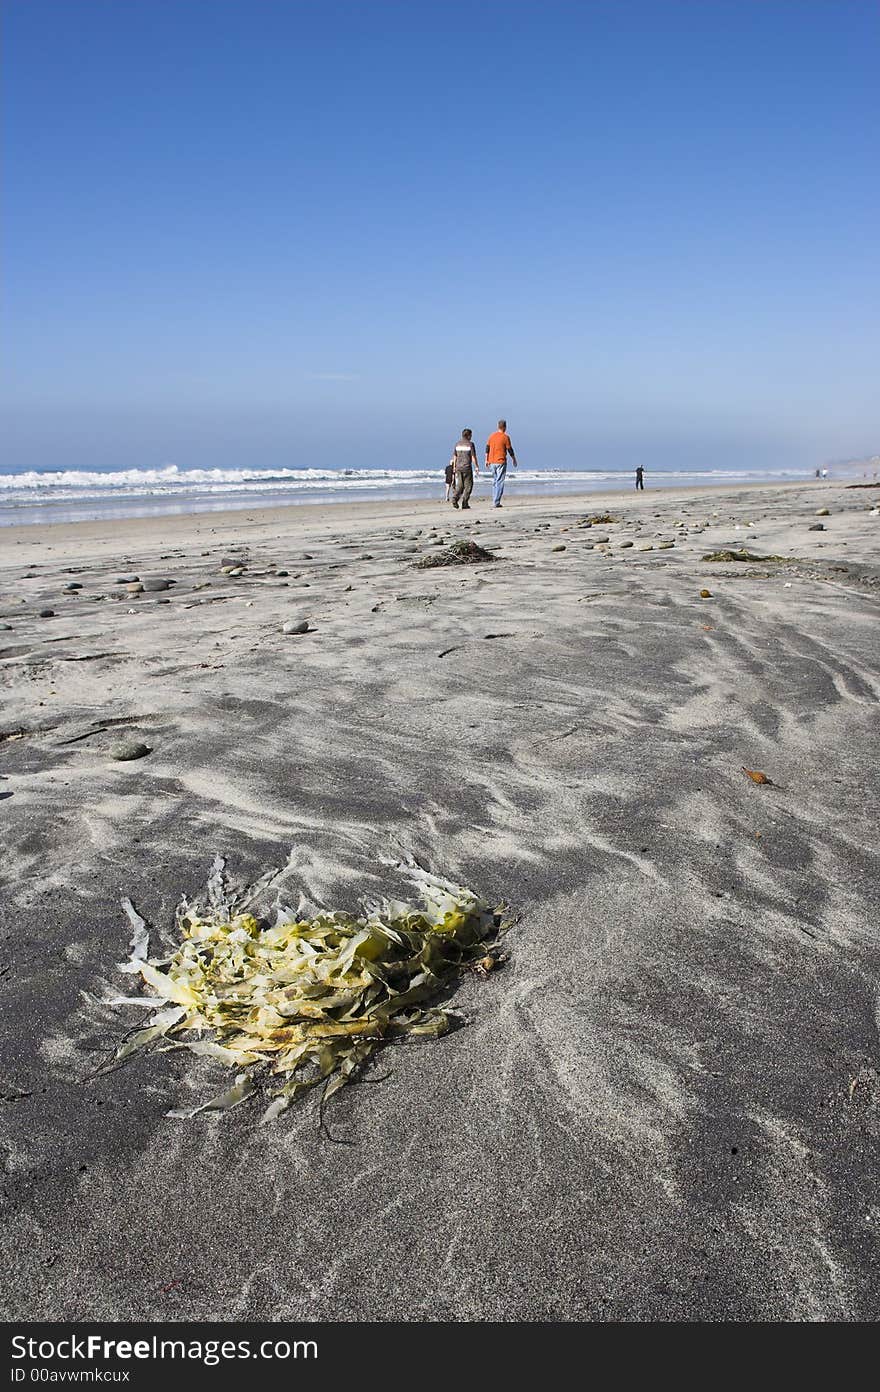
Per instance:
x=663, y=1107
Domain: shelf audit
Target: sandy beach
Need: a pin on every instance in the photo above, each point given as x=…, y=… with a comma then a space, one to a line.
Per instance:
x=663, y=1107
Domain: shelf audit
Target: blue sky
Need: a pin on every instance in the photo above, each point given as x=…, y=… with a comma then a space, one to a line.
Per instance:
x=263, y=233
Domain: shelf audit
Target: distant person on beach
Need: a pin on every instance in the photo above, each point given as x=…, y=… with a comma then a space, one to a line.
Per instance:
x=450, y=474
x=498, y=447
x=464, y=461
x=640, y=478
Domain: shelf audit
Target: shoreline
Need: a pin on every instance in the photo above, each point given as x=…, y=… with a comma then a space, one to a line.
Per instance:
x=400, y=510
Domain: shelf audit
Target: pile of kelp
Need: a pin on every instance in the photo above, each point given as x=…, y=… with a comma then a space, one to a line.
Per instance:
x=306, y=1001
x=730, y=556
x=459, y=553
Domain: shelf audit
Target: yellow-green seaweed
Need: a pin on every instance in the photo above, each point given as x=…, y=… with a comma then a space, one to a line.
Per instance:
x=305, y=1001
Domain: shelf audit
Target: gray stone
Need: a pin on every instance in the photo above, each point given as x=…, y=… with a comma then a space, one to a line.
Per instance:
x=295, y=626
x=624, y=544
x=127, y=579
x=155, y=582
x=823, y=512
x=47, y=613
x=600, y=540
x=74, y=585
x=129, y=749
x=282, y=574
x=557, y=548
x=816, y=527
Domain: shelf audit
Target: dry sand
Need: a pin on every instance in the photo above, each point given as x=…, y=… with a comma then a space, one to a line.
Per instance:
x=664, y=1107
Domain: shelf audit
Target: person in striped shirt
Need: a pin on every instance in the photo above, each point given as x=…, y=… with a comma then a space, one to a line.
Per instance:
x=464, y=461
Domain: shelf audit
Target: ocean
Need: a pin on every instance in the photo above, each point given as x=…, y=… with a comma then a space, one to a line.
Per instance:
x=81, y=495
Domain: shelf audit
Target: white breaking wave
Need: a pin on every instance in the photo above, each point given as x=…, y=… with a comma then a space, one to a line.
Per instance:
x=75, y=495
x=170, y=479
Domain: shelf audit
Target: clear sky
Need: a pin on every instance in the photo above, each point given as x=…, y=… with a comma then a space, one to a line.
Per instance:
x=267, y=233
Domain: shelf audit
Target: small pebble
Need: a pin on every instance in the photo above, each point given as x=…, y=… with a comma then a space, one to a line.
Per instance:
x=47, y=613
x=705, y=594
x=131, y=749
x=156, y=582
x=295, y=626
x=557, y=548
x=74, y=585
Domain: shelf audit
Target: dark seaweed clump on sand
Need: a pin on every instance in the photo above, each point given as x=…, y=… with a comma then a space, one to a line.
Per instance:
x=459, y=553
x=748, y=556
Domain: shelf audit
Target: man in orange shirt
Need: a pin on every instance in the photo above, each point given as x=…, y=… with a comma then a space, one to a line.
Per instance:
x=498, y=447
